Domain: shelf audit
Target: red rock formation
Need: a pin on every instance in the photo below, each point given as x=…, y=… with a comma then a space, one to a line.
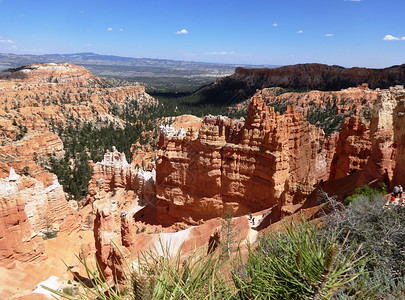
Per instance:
x=36, y=97
x=398, y=93
x=244, y=82
x=352, y=101
x=269, y=160
x=51, y=73
x=353, y=148
x=32, y=100
x=381, y=163
x=325, y=157
x=143, y=156
x=39, y=94
x=17, y=241
x=322, y=77
x=107, y=236
x=28, y=210
x=36, y=147
x=114, y=172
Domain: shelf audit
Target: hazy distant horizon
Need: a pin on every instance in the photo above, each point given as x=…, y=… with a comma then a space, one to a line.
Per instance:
x=349, y=33
x=195, y=61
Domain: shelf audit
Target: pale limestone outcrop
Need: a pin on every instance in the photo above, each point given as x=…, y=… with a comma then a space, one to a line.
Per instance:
x=382, y=161
x=399, y=134
x=114, y=172
x=325, y=157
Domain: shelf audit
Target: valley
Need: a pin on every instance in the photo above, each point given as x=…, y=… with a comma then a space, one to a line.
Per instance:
x=106, y=169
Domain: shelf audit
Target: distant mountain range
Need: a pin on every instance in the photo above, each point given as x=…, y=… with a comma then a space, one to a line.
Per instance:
x=107, y=65
x=155, y=74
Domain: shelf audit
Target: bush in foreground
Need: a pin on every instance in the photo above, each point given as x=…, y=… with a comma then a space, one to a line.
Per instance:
x=380, y=229
x=303, y=262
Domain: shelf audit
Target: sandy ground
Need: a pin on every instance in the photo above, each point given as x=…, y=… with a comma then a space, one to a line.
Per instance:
x=187, y=121
x=19, y=281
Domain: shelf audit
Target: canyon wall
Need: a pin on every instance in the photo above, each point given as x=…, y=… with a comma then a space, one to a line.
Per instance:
x=383, y=158
x=29, y=210
x=353, y=148
x=398, y=94
x=230, y=166
x=244, y=82
x=321, y=77
x=114, y=173
x=40, y=95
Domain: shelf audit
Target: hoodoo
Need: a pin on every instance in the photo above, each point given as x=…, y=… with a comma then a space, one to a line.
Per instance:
x=231, y=166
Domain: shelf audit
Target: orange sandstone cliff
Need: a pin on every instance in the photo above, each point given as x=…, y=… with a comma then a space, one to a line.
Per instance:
x=28, y=211
x=228, y=166
x=353, y=148
x=383, y=161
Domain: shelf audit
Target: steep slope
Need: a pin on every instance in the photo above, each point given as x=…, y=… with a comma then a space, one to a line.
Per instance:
x=34, y=100
x=244, y=82
x=37, y=98
x=231, y=166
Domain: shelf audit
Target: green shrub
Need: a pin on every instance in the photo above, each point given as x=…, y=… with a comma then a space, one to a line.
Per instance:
x=380, y=229
x=50, y=234
x=302, y=263
x=366, y=191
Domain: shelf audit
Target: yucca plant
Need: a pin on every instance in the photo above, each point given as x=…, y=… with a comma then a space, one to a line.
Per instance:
x=96, y=286
x=157, y=274
x=300, y=262
x=197, y=276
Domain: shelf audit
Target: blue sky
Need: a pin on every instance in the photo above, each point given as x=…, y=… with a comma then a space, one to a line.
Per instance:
x=369, y=33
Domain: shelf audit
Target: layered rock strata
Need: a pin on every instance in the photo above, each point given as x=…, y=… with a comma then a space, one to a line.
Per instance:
x=382, y=162
x=231, y=166
x=114, y=172
x=353, y=148
x=28, y=153
x=399, y=134
x=39, y=96
x=29, y=210
x=244, y=82
x=355, y=100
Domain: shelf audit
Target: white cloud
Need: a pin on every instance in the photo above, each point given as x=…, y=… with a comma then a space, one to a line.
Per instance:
x=109, y=29
x=183, y=31
x=329, y=34
x=121, y=29
x=389, y=37
x=88, y=45
x=300, y=31
x=7, y=41
x=275, y=24
x=221, y=53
